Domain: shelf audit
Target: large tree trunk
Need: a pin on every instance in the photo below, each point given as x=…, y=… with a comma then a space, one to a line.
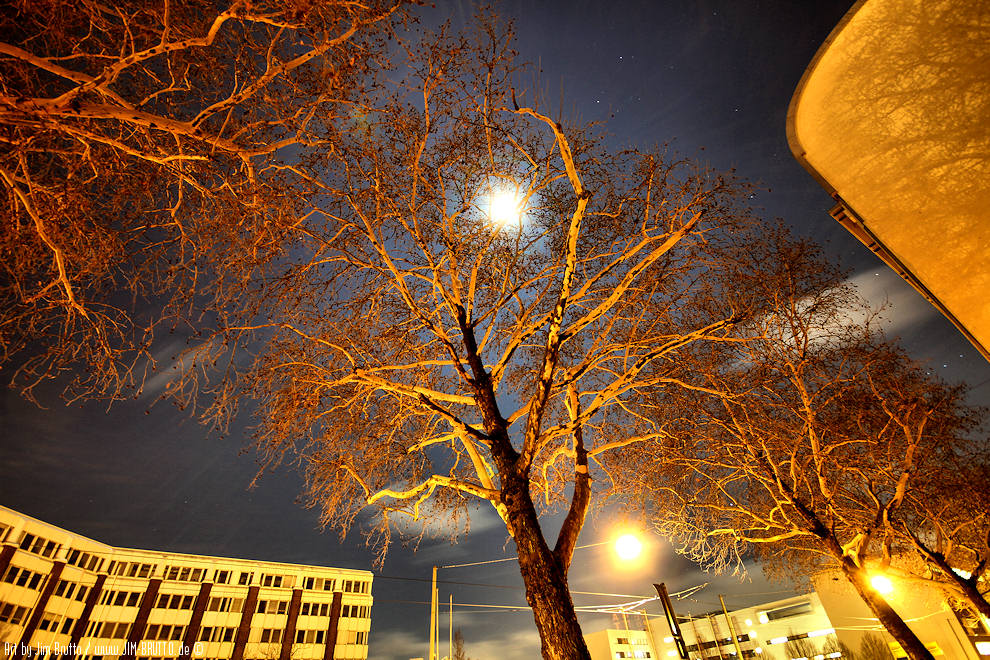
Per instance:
x=545, y=580
x=888, y=618
x=972, y=594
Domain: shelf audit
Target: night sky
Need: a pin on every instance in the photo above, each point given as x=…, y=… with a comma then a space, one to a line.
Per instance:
x=708, y=75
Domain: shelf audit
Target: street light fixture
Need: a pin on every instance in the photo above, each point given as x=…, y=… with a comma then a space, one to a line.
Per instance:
x=628, y=547
x=882, y=585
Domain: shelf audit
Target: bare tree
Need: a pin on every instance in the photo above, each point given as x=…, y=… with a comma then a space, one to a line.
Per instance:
x=872, y=647
x=459, y=652
x=946, y=522
x=151, y=148
x=819, y=435
x=416, y=355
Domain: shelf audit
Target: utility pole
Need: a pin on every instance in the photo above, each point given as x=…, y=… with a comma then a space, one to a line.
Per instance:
x=732, y=630
x=433, y=617
x=450, y=631
x=675, y=628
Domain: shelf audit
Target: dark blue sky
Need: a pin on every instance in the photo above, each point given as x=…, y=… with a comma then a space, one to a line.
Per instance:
x=711, y=75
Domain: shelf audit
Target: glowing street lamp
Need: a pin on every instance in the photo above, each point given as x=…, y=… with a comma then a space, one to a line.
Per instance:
x=882, y=585
x=628, y=547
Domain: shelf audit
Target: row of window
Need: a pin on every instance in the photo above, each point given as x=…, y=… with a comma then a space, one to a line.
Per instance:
x=84, y=560
x=356, y=611
x=356, y=587
x=67, y=589
x=56, y=623
x=38, y=545
x=273, y=580
x=225, y=604
x=108, y=629
x=121, y=598
x=353, y=637
x=216, y=634
x=22, y=577
x=272, y=606
x=184, y=573
x=314, y=609
x=91, y=562
x=318, y=584
x=12, y=614
x=164, y=632
x=130, y=569
x=310, y=636
x=175, y=601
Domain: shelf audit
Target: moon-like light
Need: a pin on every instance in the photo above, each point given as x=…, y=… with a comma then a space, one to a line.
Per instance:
x=504, y=207
x=628, y=547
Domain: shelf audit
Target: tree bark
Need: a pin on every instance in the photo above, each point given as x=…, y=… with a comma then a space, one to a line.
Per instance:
x=888, y=618
x=544, y=578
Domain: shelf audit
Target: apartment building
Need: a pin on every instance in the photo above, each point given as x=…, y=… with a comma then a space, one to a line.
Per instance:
x=67, y=596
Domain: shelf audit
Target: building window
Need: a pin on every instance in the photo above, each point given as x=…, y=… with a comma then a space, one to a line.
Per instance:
x=109, y=629
x=355, y=587
x=354, y=611
x=222, y=577
x=245, y=578
x=84, y=560
x=174, y=602
x=38, y=545
x=121, y=598
x=185, y=574
x=216, y=634
x=271, y=635
x=310, y=636
x=22, y=577
x=161, y=632
x=355, y=637
x=225, y=604
x=315, y=609
x=12, y=614
x=787, y=611
x=130, y=569
x=273, y=606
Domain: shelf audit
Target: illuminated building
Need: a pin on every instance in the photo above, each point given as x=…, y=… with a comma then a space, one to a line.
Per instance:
x=891, y=118
x=64, y=595
x=762, y=630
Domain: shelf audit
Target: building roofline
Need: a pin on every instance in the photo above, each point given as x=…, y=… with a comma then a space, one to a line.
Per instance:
x=797, y=149
x=184, y=555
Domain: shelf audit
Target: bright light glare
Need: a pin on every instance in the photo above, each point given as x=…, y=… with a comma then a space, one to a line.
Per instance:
x=504, y=207
x=628, y=547
x=882, y=584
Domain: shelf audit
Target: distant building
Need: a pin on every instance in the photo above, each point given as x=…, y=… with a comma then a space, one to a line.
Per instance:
x=65, y=596
x=761, y=631
x=891, y=118
x=806, y=627
x=620, y=643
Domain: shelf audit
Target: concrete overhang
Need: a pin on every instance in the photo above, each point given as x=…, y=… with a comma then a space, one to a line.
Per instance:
x=892, y=117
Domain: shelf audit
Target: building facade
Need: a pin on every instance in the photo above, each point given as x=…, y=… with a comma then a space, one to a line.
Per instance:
x=770, y=630
x=813, y=626
x=66, y=596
